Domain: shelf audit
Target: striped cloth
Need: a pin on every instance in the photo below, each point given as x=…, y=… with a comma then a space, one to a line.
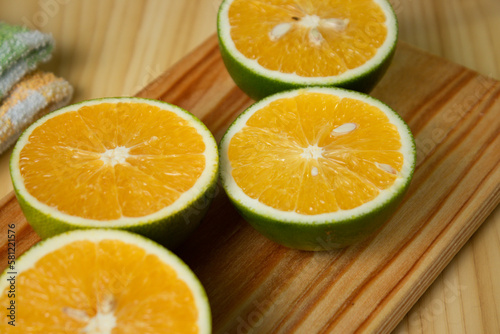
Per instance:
x=26, y=93
x=37, y=94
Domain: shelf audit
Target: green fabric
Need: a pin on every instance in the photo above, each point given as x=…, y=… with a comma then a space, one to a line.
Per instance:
x=36, y=94
x=21, y=50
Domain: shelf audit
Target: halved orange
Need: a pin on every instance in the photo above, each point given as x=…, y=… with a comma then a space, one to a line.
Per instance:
x=317, y=168
x=102, y=281
x=136, y=164
x=274, y=45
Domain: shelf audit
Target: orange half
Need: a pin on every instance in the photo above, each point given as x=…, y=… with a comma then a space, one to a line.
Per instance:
x=115, y=160
x=138, y=164
x=99, y=281
x=316, y=151
x=308, y=38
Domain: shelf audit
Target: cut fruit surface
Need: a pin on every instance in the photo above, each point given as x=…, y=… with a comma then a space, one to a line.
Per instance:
x=269, y=46
x=330, y=162
x=116, y=162
x=105, y=281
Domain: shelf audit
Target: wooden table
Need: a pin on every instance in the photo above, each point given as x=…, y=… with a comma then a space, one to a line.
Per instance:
x=114, y=48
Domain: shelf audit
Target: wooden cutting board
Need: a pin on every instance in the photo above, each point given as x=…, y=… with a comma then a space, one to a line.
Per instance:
x=257, y=286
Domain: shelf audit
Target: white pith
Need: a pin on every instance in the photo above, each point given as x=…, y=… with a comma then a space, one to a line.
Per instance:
x=312, y=152
x=102, y=322
x=336, y=23
x=313, y=22
x=310, y=21
x=104, y=319
x=235, y=192
x=117, y=156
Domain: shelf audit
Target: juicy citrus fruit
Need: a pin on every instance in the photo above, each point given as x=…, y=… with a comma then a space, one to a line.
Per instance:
x=135, y=164
x=273, y=45
x=103, y=281
x=317, y=168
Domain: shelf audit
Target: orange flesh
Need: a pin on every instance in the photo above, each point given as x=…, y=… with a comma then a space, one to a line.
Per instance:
x=296, y=161
x=69, y=286
x=330, y=50
x=64, y=163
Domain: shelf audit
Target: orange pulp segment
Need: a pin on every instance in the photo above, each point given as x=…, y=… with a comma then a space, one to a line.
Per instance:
x=308, y=38
x=121, y=160
x=315, y=153
x=68, y=289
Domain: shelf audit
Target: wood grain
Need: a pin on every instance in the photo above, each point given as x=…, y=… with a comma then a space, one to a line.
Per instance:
x=254, y=284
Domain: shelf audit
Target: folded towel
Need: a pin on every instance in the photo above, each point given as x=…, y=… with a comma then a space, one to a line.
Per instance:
x=21, y=50
x=34, y=96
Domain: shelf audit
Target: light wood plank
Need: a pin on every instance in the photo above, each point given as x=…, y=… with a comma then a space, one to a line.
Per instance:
x=253, y=283
x=462, y=31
